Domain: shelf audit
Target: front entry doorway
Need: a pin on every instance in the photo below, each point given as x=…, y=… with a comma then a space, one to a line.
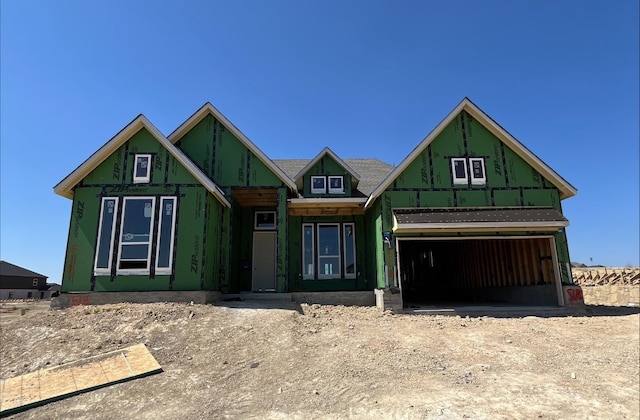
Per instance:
x=264, y=262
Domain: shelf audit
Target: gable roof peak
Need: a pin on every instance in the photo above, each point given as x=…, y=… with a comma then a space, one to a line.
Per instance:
x=565, y=189
x=209, y=109
x=324, y=152
x=65, y=187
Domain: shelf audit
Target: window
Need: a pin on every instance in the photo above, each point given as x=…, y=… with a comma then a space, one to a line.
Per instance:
x=318, y=185
x=336, y=185
x=35, y=282
x=135, y=235
x=307, y=252
x=265, y=220
x=476, y=171
x=106, y=235
x=166, y=230
x=478, y=176
x=459, y=170
x=328, y=251
x=349, y=248
x=142, y=169
x=141, y=243
x=29, y=295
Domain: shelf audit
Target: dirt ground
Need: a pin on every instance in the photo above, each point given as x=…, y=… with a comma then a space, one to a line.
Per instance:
x=246, y=360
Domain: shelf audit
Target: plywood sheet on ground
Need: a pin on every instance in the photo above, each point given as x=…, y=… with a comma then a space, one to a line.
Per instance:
x=62, y=381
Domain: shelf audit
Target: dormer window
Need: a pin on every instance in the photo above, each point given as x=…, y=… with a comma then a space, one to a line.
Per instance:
x=318, y=185
x=478, y=175
x=142, y=169
x=459, y=170
x=336, y=185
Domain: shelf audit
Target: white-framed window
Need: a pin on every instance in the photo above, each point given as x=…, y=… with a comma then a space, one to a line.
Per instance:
x=459, y=170
x=478, y=174
x=264, y=220
x=106, y=235
x=349, y=250
x=328, y=251
x=336, y=185
x=308, y=251
x=134, y=250
x=166, y=232
x=318, y=185
x=142, y=169
x=35, y=282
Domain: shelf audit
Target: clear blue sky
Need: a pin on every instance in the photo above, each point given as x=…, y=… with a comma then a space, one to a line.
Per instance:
x=366, y=78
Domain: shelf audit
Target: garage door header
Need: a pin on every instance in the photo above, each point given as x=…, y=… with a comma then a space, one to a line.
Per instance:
x=478, y=220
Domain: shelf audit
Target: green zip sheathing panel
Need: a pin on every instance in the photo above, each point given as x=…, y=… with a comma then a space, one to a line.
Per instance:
x=363, y=280
x=196, y=238
x=326, y=166
x=427, y=182
x=374, y=245
x=224, y=158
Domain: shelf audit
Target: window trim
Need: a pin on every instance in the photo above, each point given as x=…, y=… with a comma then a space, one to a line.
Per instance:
x=457, y=180
x=312, y=275
x=477, y=180
x=336, y=190
x=34, y=282
x=147, y=270
x=255, y=220
x=337, y=275
x=322, y=190
x=344, y=250
x=158, y=237
x=107, y=270
x=141, y=179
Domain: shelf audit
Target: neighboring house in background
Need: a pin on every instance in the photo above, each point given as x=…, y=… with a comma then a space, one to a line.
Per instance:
x=19, y=283
x=471, y=215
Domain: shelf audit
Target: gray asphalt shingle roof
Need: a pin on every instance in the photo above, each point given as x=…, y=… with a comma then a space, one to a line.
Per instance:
x=12, y=270
x=372, y=171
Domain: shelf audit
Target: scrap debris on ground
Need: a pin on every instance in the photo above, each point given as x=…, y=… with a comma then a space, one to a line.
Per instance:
x=247, y=360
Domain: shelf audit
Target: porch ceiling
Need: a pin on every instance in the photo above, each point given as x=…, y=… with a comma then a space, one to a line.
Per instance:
x=256, y=197
x=326, y=207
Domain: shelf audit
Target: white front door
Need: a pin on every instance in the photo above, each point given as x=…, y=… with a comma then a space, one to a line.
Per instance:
x=264, y=261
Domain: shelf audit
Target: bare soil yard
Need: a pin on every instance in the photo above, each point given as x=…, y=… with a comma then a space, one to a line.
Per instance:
x=245, y=360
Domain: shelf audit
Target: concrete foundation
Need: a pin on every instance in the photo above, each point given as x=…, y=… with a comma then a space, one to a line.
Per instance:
x=389, y=299
x=66, y=300
x=335, y=298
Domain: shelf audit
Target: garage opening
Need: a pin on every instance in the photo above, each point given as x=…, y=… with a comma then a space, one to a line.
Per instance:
x=504, y=271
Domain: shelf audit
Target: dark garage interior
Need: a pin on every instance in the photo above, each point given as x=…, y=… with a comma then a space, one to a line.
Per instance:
x=500, y=271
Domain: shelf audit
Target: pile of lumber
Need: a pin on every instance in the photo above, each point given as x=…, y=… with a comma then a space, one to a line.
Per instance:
x=598, y=276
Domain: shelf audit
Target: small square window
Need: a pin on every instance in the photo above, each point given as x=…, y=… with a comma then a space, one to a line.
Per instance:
x=478, y=175
x=336, y=186
x=35, y=282
x=318, y=185
x=142, y=169
x=265, y=220
x=459, y=170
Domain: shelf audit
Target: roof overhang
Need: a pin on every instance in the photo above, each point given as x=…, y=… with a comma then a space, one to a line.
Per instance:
x=326, y=206
x=565, y=189
x=534, y=219
x=66, y=186
x=207, y=109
